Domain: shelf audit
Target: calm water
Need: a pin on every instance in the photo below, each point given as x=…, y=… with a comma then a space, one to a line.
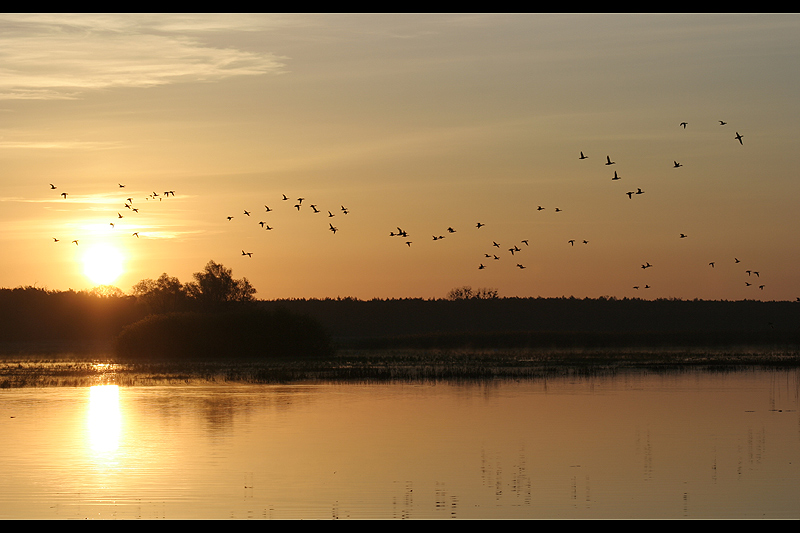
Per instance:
x=637, y=445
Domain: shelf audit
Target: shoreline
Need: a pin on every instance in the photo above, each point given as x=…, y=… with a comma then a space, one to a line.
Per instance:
x=388, y=365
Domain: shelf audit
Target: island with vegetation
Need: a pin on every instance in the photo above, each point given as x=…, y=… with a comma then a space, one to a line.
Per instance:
x=215, y=327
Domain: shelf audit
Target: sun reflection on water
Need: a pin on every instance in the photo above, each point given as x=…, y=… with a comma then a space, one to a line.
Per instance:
x=105, y=420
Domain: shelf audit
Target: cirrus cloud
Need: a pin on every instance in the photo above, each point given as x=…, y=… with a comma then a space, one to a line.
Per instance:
x=63, y=56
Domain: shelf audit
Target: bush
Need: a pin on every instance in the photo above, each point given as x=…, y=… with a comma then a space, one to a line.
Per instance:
x=250, y=333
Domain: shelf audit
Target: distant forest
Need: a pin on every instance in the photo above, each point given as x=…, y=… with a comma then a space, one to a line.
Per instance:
x=35, y=318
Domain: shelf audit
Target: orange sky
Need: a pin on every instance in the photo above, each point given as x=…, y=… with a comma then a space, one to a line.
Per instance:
x=421, y=122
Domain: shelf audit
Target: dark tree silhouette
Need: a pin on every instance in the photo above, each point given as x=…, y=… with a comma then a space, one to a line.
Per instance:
x=163, y=295
x=214, y=286
x=467, y=293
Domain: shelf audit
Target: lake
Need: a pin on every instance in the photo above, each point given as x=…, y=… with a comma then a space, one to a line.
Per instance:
x=635, y=444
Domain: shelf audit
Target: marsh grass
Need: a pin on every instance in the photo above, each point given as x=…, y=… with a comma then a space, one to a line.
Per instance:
x=409, y=365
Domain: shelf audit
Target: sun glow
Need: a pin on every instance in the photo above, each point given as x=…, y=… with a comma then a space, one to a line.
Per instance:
x=102, y=263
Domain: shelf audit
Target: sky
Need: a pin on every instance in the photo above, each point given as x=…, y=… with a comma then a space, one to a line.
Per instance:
x=413, y=123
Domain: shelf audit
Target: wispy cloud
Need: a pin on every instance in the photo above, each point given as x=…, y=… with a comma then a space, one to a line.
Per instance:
x=63, y=56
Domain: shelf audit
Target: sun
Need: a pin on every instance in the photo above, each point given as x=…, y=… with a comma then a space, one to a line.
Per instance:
x=102, y=263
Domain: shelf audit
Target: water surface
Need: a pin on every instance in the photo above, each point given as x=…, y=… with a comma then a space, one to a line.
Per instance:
x=690, y=444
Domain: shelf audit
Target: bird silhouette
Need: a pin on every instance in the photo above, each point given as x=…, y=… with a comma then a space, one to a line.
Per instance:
x=481, y=267
x=683, y=124
x=451, y=230
x=55, y=240
x=76, y=242
x=739, y=137
x=615, y=176
x=52, y=186
x=285, y=197
x=630, y=194
x=676, y=164
x=712, y=264
x=609, y=161
x=683, y=235
x=639, y=191
x=572, y=242
x=249, y=254
x=333, y=229
x=540, y=208
x=267, y=208
x=479, y=225
x=583, y=156
x=722, y=123
x=230, y=218
x=520, y=266
x=63, y=194
x=246, y=212
x=135, y=234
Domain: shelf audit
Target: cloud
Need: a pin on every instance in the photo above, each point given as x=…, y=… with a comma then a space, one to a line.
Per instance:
x=63, y=56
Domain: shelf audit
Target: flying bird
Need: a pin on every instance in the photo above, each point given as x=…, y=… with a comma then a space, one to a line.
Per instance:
x=722, y=123
x=739, y=137
x=683, y=124
x=676, y=164
x=76, y=242
x=64, y=194
x=615, y=176
x=712, y=264
x=479, y=225
x=609, y=161
x=52, y=186
x=246, y=212
x=55, y=240
x=683, y=235
x=333, y=229
x=249, y=254
x=583, y=156
x=135, y=234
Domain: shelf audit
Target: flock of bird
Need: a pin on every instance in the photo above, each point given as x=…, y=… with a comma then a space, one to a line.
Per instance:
x=267, y=209
x=494, y=252
x=126, y=202
x=639, y=191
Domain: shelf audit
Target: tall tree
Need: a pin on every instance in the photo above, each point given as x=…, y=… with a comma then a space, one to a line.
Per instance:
x=215, y=286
